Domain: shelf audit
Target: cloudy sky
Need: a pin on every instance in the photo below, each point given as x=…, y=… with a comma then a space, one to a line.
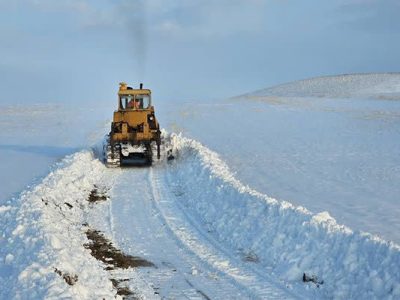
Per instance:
x=79, y=50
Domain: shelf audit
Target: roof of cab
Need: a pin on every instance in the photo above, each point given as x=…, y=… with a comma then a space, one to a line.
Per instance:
x=134, y=92
x=125, y=90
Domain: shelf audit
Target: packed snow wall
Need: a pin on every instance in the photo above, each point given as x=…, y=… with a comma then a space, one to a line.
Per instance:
x=287, y=239
x=43, y=234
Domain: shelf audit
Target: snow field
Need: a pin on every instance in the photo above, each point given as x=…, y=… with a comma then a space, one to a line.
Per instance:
x=288, y=239
x=324, y=153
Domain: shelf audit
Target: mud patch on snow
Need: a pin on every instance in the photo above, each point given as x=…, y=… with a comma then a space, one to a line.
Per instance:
x=312, y=278
x=122, y=290
x=69, y=278
x=103, y=250
x=250, y=256
x=97, y=195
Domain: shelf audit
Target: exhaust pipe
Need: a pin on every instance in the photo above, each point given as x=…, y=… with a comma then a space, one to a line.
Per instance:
x=141, y=86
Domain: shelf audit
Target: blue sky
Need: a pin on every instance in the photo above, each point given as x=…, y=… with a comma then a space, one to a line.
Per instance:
x=75, y=51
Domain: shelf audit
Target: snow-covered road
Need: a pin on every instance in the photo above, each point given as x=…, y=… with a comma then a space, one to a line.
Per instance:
x=144, y=219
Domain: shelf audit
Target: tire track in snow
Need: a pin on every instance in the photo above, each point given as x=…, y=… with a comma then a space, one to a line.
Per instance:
x=189, y=232
x=140, y=229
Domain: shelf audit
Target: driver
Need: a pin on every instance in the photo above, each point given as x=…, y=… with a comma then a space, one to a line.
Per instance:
x=131, y=104
x=137, y=104
x=134, y=103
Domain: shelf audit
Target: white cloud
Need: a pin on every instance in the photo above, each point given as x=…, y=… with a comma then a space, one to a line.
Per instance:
x=80, y=6
x=180, y=18
x=208, y=18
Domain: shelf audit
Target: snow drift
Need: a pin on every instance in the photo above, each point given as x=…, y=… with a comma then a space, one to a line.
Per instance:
x=290, y=240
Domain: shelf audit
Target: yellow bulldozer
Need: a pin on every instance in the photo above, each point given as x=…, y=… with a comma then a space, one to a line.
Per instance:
x=134, y=129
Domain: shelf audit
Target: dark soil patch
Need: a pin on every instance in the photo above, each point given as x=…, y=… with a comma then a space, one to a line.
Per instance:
x=103, y=250
x=312, y=278
x=122, y=290
x=248, y=255
x=251, y=257
x=69, y=279
x=97, y=196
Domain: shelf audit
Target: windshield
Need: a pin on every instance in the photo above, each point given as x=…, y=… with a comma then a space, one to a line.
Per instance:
x=144, y=101
x=134, y=102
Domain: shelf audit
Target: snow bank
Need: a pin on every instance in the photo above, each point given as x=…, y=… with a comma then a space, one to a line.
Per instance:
x=380, y=85
x=42, y=237
x=288, y=239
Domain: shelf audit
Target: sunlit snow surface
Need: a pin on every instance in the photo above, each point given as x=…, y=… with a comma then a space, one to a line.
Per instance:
x=35, y=136
x=325, y=153
x=375, y=86
x=328, y=144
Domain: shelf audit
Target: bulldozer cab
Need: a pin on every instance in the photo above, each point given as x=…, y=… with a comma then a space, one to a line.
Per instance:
x=133, y=99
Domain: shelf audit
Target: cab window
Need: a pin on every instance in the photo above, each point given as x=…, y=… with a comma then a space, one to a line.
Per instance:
x=126, y=101
x=144, y=101
x=135, y=102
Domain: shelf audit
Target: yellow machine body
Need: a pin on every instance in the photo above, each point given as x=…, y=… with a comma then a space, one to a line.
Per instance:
x=134, y=124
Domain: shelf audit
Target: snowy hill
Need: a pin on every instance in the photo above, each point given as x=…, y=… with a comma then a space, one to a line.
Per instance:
x=377, y=86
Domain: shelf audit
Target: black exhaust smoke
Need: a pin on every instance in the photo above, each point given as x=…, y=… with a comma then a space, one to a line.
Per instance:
x=135, y=14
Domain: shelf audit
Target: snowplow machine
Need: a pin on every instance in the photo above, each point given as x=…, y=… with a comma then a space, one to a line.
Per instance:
x=134, y=130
